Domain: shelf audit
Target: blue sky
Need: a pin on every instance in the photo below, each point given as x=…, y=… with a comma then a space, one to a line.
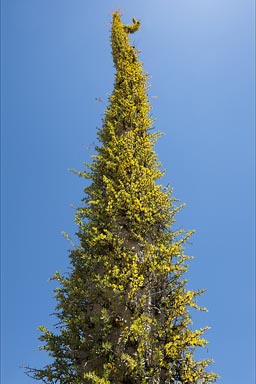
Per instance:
x=56, y=60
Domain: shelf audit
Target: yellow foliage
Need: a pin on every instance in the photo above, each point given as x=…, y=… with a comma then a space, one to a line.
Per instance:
x=124, y=307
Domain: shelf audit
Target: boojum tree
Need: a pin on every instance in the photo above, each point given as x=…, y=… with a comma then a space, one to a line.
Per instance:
x=124, y=310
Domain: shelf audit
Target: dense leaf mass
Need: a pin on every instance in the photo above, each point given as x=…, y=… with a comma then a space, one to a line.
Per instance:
x=123, y=311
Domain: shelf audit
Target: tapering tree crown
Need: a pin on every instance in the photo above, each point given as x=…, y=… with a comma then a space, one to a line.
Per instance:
x=123, y=310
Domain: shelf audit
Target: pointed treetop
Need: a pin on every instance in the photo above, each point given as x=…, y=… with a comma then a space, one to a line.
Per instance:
x=128, y=28
x=121, y=48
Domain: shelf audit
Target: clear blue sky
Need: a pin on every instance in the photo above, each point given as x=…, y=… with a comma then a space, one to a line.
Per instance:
x=56, y=60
